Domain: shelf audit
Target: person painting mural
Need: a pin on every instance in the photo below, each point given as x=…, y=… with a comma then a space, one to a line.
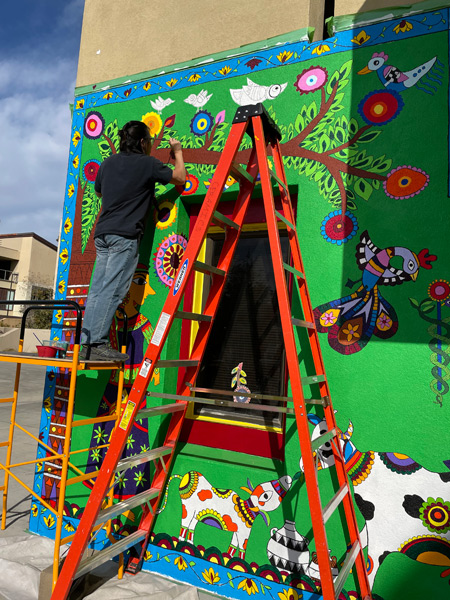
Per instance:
x=126, y=183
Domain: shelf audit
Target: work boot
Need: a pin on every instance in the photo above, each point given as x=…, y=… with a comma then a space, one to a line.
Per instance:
x=103, y=352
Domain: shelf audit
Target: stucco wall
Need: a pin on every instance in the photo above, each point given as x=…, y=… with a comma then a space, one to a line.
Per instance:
x=125, y=37
x=349, y=7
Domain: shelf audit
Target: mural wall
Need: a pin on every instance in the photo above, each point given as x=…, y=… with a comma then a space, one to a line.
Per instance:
x=364, y=118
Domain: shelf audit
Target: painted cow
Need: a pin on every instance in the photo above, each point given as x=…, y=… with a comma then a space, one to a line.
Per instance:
x=405, y=506
x=224, y=508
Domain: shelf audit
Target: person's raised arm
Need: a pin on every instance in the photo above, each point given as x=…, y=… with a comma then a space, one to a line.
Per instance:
x=179, y=172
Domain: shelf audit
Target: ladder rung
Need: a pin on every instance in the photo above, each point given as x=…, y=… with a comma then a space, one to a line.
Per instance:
x=181, y=314
x=220, y=219
x=346, y=568
x=301, y=323
x=239, y=173
x=159, y=410
x=323, y=439
x=176, y=362
x=4, y=400
x=139, y=459
x=293, y=271
x=277, y=179
x=231, y=393
x=117, y=509
x=2, y=488
x=334, y=502
x=283, y=218
x=325, y=401
x=205, y=268
x=313, y=379
x=88, y=564
x=3, y=444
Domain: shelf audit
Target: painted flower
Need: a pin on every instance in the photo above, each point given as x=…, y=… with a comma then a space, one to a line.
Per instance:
x=69, y=527
x=64, y=255
x=435, y=515
x=211, y=576
x=79, y=104
x=76, y=138
x=384, y=322
x=289, y=594
x=148, y=555
x=439, y=290
x=93, y=125
x=127, y=92
x=352, y=332
x=249, y=586
x=361, y=38
x=90, y=170
x=329, y=317
x=147, y=85
x=252, y=63
x=34, y=510
x=61, y=286
x=49, y=521
x=153, y=122
x=194, y=77
x=311, y=79
x=181, y=563
x=403, y=26
x=225, y=70
x=171, y=82
x=168, y=258
x=320, y=49
x=76, y=162
x=67, y=225
x=190, y=187
x=58, y=316
x=108, y=96
x=130, y=441
x=380, y=107
x=121, y=480
x=71, y=190
x=285, y=56
x=338, y=230
x=100, y=435
x=405, y=182
x=139, y=478
x=202, y=123
x=165, y=214
x=95, y=454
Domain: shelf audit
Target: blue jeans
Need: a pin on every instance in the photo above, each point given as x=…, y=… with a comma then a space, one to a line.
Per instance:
x=117, y=258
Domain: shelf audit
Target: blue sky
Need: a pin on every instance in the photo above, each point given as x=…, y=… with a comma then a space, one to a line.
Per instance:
x=39, y=45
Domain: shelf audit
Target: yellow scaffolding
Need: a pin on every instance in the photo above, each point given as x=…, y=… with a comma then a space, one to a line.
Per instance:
x=74, y=365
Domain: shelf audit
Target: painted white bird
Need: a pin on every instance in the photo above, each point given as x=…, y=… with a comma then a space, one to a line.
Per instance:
x=198, y=100
x=159, y=104
x=252, y=93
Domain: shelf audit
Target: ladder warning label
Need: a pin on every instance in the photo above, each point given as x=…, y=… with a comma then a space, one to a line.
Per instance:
x=145, y=367
x=127, y=414
x=160, y=329
x=180, y=277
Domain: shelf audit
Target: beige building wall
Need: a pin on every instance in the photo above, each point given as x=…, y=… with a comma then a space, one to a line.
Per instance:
x=349, y=7
x=125, y=37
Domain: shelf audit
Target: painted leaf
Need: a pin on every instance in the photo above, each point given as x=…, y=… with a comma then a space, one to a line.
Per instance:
x=414, y=302
x=363, y=189
x=235, y=370
x=243, y=373
x=105, y=149
x=234, y=381
x=242, y=380
x=427, y=306
x=220, y=117
x=170, y=121
x=369, y=136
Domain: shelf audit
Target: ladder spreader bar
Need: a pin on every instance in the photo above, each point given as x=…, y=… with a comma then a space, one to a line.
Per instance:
x=176, y=362
x=334, y=502
x=283, y=218
x=278, y=180
x=301, y=323
x=117, y=509
x=231, y=393
x=182, y=314
x=346, y=568
x=313, y=379
x=293, y=271
x=205, y=268
x=132, y=461
x=323, y=439
x=239, y=173
x=160, y=410
x=220, y=219
x=88, y=564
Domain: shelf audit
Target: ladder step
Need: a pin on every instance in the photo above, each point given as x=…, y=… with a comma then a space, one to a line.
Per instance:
x=293, y=271
x=88, y=564
x=4, y=444
x=313, y=379
x=283, y=218
x=301, y=323
x=4, y=400
x=176, y=362
x=334, y=502
x=278, y=180
x=232, y=393
x=323, y=439
x=139, y=459
x=181, y=314
x=160, y=410
x=240, y=173
x=220, y=219
x=346, y=568
x=205, y=268
x=117, y=509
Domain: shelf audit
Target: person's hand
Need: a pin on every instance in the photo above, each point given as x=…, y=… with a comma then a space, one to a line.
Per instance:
x=175, y=146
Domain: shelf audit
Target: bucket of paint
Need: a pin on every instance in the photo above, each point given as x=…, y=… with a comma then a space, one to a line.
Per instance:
x=47, y=351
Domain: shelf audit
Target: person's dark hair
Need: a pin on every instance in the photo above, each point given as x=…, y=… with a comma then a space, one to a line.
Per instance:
x=131, y=135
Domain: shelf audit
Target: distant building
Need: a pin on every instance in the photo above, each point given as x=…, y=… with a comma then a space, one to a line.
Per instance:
x=27, y=269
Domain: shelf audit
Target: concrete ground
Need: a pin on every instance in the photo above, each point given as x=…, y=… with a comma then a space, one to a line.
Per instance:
x=22, y=555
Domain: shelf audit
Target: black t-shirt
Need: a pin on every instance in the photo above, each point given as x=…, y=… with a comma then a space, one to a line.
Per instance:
x=127, y=183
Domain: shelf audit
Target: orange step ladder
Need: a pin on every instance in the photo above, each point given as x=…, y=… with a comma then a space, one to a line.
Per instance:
x=265, y=135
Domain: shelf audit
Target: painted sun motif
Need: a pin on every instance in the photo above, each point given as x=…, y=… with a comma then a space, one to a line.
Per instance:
x=338, y=230
x=380, y=107
x=90, y=169
x=439, y=290
x=311, y=79
x=202, y=123
x=435, y=515
x=168, y=258
x=93, y=125
x=405, y=182
x=165, y=214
